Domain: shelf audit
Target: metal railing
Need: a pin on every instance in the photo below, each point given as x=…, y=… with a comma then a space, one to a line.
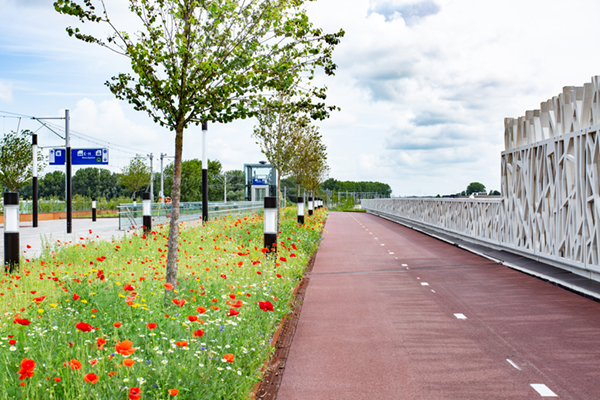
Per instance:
x=130, y=215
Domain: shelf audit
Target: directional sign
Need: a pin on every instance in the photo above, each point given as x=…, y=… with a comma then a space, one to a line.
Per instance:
x=80, y=156
x=89, y=156
x=57, y=156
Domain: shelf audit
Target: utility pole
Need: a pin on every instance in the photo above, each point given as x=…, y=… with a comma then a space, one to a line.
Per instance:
x=162, y=179
x=34, y=144
x=151, y=178
x=204, y=174
x=69, y=180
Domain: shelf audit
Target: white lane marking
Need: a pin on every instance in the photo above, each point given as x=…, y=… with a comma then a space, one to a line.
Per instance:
x=460, y=316
x=511, y=362
x=433, y=290
x=396, y=258
x=405, y=265
x=382, y=244
x=424, y=284
x=543, y=390
x=418, y=278
x=391, y=252
x=370, y=233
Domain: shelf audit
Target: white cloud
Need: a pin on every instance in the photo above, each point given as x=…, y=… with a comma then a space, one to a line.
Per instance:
x=424, y=85
x=5, y=93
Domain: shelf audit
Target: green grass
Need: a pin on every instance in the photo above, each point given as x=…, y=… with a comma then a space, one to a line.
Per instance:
x=102, y=283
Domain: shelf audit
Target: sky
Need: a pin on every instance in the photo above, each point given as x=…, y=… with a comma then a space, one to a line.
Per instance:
x=423, y=85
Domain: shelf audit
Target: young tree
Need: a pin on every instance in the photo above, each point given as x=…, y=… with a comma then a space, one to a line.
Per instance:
x=210, y=61
x=310, y=150
x=136, y=175
x=279, y=134
x=16, y=156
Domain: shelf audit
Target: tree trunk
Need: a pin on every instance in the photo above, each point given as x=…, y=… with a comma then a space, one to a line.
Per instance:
x=174, y=224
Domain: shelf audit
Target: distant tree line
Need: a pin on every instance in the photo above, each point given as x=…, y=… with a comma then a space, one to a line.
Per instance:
x=350, y=186
x=99, y=182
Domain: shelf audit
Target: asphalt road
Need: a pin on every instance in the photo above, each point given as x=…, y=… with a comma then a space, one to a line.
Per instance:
x=391, y=313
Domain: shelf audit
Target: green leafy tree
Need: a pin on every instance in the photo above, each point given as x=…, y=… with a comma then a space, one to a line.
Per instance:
x=475, y=187
x=16, y=155
x=210, y=61
x=96, y=182
x=310, y=152
x=52, y=185
x=191, y=180
x=136, y=175
x=279, y=133
x=235, y=185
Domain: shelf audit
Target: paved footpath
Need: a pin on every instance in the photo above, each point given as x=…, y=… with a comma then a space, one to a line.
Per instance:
x=390, y=313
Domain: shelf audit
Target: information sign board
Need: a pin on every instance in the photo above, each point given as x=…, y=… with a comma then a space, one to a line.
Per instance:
x=79, y=156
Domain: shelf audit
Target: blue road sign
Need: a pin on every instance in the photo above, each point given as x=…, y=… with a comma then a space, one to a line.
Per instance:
x=80, y=156
x=89, y=156
x=57, y=157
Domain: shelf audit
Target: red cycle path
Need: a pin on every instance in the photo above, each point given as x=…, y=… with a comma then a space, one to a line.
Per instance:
x=372, y=329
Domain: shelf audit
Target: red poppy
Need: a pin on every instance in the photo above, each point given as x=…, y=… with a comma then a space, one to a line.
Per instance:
x=134, y=393
x=232, y=312
x=198, y=333
x=128, y=288
x=259, y=273
x=57, y=379
x=117, y=324
x=236, y=304
x=21, y=321
x=181, y=343
x=74, y=364
x=265, y=305
x=27, y=368
x=125, y=348
x=173, y=392
x=94, y=310
x=229, y=357
x=12, y=341
x=278, y=275
x=38, y=300
x=168, y=286
x=128, y=362
x=193, y=318
x=201, y=310
x=282, y=259
x=152, y=325
x=100, y=343
x=75, y=296
x=180, y=303
x=91, y=378
x=84, y=327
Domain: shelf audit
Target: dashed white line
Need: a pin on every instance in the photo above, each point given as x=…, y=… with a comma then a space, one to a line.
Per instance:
x=460, y=316
x=424, y=284
x=511, y=362
x=433, y=290
x=382, y=244
x=405, y=265
x=543, y=390
x=391, y=252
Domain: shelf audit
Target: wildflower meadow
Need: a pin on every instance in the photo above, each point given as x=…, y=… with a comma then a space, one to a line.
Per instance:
x=89, y=320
